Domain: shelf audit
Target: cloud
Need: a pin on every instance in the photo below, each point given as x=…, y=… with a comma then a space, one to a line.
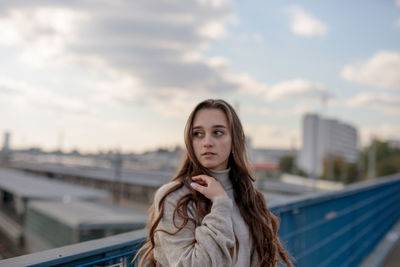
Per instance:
x=173, y=104
x=382, y=70
x=384, y=102
x=271, y=136
x=146, y=39
x=298, y=88
x=265, y=111
x=398, y=3
x=19, y=93
x=213, y=30
x=305, y=24
x=273, y=112
x=42, y=34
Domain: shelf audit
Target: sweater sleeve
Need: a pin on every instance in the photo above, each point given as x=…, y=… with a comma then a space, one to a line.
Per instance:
x=214, y=238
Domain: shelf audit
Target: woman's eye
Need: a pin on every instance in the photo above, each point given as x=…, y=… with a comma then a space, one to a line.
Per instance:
x=219, y=132
x=197, y=134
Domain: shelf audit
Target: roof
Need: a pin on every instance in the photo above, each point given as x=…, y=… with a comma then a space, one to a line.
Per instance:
x=129, y=176
x=85, y=214
x=32, y=186
x=283, y=188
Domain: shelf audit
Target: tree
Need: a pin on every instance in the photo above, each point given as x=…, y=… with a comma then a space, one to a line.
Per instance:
x=337, y=169
x=286, y=164
x=387, y=158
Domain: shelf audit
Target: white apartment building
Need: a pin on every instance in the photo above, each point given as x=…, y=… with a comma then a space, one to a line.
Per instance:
x=323, y=137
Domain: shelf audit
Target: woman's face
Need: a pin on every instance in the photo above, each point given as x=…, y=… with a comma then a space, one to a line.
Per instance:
x=212, y=139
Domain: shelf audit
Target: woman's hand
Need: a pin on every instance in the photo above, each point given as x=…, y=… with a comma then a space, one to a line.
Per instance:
x=208, y=186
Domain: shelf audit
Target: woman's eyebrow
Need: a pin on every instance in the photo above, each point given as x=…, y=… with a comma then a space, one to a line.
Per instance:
x=219, y=126
x=214, y=126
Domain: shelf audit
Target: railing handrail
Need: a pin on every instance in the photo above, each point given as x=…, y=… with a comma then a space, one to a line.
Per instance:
x=117, y=243
x=319, y=197
x=65, y=254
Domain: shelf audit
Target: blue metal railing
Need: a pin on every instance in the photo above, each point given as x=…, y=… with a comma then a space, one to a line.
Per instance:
x=341, y=228
x=117, y=250
x=335, y=229
x=124, y=259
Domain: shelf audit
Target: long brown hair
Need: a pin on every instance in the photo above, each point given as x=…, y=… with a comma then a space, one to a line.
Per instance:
x=262, y=224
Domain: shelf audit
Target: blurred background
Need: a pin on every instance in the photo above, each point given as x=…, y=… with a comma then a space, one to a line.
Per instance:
x=94, y=96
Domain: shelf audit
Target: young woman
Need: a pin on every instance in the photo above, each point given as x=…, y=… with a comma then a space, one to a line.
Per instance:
x=211, y=214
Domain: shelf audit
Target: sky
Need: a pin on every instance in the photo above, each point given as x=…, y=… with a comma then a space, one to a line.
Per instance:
x=106, y=75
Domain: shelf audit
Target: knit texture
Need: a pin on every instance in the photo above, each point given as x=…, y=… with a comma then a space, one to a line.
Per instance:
x=215, y=237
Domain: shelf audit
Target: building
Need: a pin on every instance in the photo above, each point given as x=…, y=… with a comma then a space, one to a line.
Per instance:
x=323, y=138
x=18, y=189
x=51, y=224
x=135, y=185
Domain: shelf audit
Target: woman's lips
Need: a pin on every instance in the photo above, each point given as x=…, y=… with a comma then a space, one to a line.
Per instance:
x=208, y=154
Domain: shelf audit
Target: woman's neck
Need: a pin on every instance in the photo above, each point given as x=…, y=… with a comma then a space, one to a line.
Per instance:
x=223, y=177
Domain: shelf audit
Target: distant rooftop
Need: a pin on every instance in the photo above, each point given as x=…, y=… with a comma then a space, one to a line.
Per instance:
x=130, y=176
x=89, y=214
x=33, y=187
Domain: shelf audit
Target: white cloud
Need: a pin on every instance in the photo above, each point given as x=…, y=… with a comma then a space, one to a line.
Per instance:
x=41, y=33
x=264, y=111
x=213, y=30
x=271, y=136
x=121, y=36
x=19, y=93
x=214, y=3
x=113, y=87
x=241, y=82
x=298, y=88
x=282, y=113
x=247, y=84
x=306, y=24
x=382, y=70
x=173, y=103
x=384, y=102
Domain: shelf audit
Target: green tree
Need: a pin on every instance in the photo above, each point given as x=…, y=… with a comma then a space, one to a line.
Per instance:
x=388, y=166
x=286, y=164
x=387, y=159
x=337, y=169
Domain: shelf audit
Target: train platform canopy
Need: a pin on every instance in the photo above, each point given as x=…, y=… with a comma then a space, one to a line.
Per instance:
x=137, y=177
x=29, y=186
x=85, y=214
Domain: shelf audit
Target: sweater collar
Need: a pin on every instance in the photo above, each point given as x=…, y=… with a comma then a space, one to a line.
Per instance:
x=223, y=177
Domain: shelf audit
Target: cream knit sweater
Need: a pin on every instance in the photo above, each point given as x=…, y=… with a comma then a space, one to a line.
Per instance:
x=215, y=237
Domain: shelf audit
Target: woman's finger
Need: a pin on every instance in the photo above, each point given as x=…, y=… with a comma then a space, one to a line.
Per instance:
x=200, y=180
x=198, y=187
x=208, y=186
x=204, y=178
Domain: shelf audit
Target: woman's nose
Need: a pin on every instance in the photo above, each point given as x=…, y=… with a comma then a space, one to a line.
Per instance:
x=207, y=141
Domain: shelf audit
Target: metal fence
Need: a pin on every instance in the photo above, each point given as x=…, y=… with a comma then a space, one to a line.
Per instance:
x=341, y=228
x=335, y=229
x=117, y=250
